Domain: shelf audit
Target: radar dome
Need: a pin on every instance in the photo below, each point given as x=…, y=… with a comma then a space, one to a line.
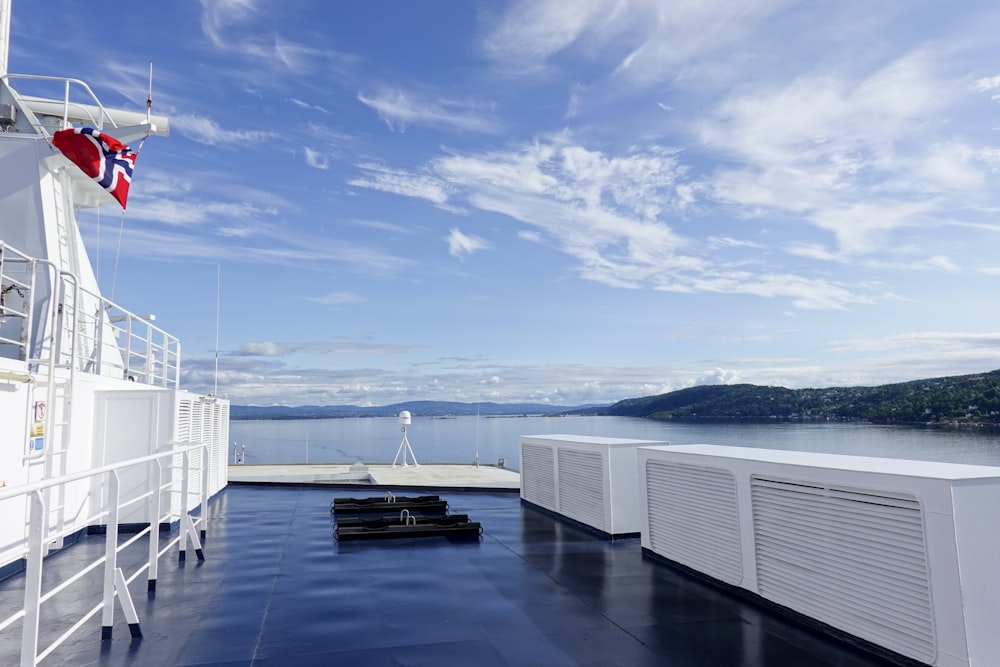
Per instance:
x=404, y=418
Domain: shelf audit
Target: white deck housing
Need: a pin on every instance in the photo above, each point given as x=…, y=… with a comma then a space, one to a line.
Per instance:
x=592, y=480
x=903, y=554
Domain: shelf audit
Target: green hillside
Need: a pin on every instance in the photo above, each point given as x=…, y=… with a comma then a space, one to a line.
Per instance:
x=957, y=399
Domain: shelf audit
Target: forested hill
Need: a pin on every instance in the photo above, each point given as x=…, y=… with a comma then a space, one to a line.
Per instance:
x=957, y=399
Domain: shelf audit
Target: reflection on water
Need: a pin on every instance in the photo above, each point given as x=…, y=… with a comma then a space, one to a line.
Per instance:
x=463, y=439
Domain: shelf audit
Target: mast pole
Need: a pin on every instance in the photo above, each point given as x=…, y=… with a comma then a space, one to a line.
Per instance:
x=4, y=35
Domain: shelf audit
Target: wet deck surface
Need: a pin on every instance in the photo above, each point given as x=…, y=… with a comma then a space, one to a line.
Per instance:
x=277, y=589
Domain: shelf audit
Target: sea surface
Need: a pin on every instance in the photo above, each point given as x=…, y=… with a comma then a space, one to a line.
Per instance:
x=464, y=439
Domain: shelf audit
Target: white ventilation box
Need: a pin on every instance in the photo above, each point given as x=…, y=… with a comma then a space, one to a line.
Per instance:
x=902, y=554
x=590, y=480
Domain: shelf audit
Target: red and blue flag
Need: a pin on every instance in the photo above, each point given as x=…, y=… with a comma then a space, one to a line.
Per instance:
x=100, y=156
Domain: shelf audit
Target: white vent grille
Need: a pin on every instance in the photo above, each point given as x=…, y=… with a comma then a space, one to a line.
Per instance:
x=538, y=480
x=207, y=423
x=581, y=487
x=694, y=518
x=852, y=558
x=183, y=420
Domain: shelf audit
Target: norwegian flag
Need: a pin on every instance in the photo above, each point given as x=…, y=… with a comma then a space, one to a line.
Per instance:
x=100, y=156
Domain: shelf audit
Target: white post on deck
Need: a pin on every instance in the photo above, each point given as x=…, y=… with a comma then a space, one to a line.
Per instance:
x=33, y=580
x=110, y=556
x=155, y=499
x=185, y=471
x=204, y=491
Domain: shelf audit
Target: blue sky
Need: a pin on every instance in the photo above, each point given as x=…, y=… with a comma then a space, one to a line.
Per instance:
x=565, y=202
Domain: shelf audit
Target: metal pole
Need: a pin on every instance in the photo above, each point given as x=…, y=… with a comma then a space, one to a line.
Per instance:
x=156, y=482
x=33, y=580
x=110, y=556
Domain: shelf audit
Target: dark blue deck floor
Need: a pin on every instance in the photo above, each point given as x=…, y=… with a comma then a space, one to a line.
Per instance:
x=276, y=589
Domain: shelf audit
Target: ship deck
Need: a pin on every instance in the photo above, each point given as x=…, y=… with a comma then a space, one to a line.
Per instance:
x=275, y=588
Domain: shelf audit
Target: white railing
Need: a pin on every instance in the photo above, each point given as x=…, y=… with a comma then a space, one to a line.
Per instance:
x=95, y=115
x=115, y=583
x=17, y=283
x=92, y=334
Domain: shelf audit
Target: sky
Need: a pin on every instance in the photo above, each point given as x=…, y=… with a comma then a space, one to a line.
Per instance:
x=366, y=202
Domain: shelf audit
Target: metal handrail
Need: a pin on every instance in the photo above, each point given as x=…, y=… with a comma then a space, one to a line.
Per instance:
x=103, y=113
x=149, y=355
x=115, y=583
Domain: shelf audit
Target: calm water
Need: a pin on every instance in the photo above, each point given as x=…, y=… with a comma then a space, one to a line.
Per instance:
x=457, y=440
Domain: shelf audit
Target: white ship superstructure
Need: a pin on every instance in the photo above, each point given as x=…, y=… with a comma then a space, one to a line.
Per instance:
x=84, y=382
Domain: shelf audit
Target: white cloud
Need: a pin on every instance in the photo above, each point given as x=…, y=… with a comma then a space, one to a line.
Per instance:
x=987, y=84
x=315, y=159
x=399, y=109
x=217, y=15
x=395, y=181
x=460, y=244
x=606, y=212
x=336, y=299
x=533, y=31
x=285, y=349
x=305, y=105
x=207, y=131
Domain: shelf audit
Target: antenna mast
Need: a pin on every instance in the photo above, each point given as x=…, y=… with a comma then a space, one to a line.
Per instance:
x=149, y=96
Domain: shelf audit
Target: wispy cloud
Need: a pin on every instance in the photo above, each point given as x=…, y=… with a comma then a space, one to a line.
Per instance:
x=399, y=109
x=336, y=299
x=530, y=33
x=315, y=159
x=305, y=105
x=286, y=349
x=608, y=211
x=207, y=131
x=218, y=15
x=460, y=244
x=400, y=182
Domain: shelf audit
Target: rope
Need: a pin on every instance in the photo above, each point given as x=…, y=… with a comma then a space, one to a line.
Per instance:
x=121, y=229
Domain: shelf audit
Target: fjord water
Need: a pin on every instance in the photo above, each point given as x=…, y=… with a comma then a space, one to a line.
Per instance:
x=457, y=440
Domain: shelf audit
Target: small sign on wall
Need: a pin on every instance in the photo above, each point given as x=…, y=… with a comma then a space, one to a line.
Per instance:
x=36, y=443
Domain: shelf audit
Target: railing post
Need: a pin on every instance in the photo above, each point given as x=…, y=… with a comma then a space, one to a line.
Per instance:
x=204, y=491
x=150, y=378
x=185, y=471
x=33, y=579
x=155, y=509
x=110, y=556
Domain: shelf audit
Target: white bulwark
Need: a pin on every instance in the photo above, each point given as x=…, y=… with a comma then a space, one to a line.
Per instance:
x=903, y=554
x=591, y=480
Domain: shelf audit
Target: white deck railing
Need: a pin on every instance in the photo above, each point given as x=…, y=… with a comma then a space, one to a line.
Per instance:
x=92, y=334
x=39, y=539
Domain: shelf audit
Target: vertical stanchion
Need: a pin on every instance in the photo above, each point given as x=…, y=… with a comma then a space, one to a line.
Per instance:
x=204, y=491
x=185, y=471
x=110, y=556
x=33, y=579
x=156, y=484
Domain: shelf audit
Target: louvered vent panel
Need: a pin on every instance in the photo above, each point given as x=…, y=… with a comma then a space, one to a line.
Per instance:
x=581, y=487
x=694, y=518
x=213, y=450
x=852, y=558
x=538, y=480
x=183, y=420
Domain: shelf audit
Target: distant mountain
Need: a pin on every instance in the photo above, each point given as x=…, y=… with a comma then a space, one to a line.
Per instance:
x=946, y=400
x=417, y=408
